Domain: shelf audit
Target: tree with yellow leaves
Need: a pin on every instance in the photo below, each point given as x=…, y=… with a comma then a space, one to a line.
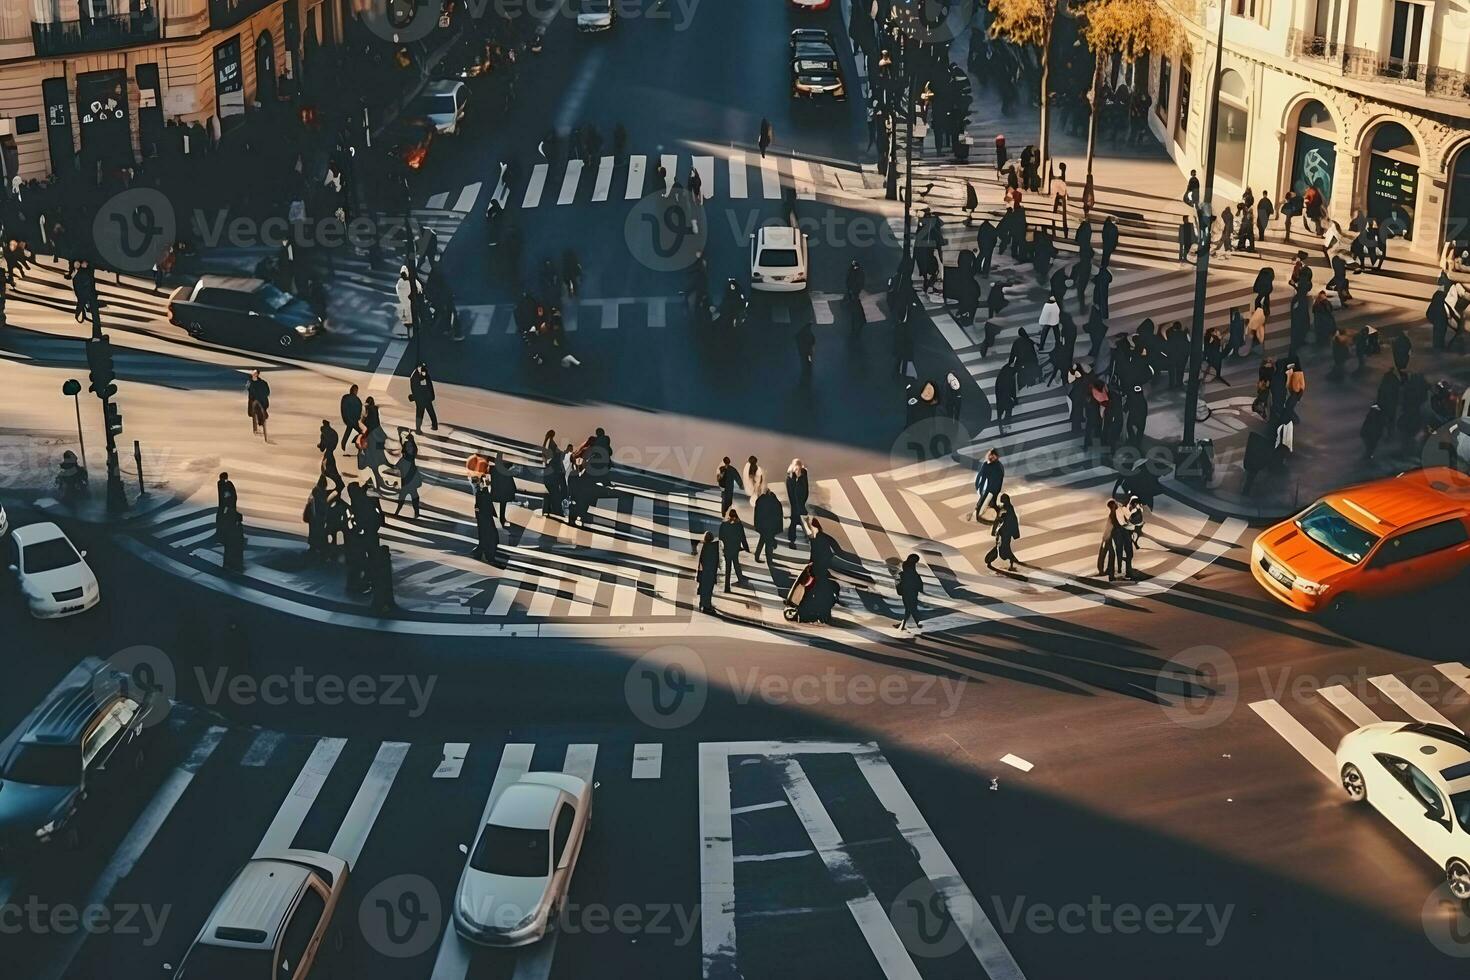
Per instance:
x=1030, y=22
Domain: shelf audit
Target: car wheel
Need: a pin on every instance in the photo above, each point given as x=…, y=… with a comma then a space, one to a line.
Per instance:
x=1353, y=783
x=286, y=340
x=1457, y=874
x=1341, y=604
x=195, y=329
x=790, y=613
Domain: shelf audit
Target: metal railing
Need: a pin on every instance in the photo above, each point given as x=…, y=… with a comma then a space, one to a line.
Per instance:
x=1318, y=47
x=95, y=33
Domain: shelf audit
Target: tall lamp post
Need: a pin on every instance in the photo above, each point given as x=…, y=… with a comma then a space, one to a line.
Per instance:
x=413, y=275
x=1204, y=223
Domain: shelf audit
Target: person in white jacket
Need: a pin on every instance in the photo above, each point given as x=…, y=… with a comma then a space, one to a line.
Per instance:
x=404, y=290
x=754, y=479
x=1049, y=320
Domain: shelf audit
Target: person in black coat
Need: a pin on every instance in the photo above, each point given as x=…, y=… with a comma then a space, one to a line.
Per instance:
x=502, y=485
x=1110, y=238
x=1023, y=355
x=1136, y=416
x=732, y=543
x=909, y=587
x=1439, y=320
x=1007, y=528
x=487, y=535
x=1301, y=322
x=768, y=523
x=582, y=491
x=380, y=575
x=1371, y=431
x=1401, y=347
x=1097, y=328
x=996, y=302
x=1006, y=391
x=985, y=237
x=1264, y=285
x=823, y=550
x=796, y=495
x=232, y=536
x=228, y=502
x=1186, y=238
x=351, y=416
x=708, y=572
x=553, y=479
x=1176, y=347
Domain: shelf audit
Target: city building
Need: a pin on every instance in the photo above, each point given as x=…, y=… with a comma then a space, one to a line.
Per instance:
x=93, y=82
x=1369, y=100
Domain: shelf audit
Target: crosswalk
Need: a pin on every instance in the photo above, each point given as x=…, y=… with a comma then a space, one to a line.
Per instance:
x=729, y=175
x=762, y=811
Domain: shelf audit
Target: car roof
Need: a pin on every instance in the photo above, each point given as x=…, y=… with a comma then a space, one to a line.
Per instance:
x=240, y=284
x=814, y=49
x=253, y=909
x=66, y=715
x=810, y=34
x=36, y=533
x=445, y=86
x=526, y=805
x=777, y=236
x=1382, y=506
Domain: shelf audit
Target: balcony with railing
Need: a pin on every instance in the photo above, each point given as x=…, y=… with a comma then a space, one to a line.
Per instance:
x=62, y=37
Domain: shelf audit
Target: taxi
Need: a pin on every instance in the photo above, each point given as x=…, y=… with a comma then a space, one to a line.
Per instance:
x=1368, y=541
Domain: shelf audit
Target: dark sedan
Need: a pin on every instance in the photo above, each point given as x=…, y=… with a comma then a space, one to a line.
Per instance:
x=243, y=313
x=815, y=70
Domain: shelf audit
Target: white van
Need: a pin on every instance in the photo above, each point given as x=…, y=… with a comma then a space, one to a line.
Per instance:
x=778, y=259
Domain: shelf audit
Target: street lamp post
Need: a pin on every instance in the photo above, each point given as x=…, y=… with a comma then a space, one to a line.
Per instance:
x=1204, y=223
x=73, y=387
x=413, y=275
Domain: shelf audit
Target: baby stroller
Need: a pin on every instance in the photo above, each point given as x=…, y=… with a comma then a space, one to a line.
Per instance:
x=810, y=600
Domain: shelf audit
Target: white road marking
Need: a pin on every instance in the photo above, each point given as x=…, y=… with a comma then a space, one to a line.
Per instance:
x=581, y=760
x=484, y=319
x=636, y=165
x=466, y=201
x=670, y=163
x=535, y=185
x=716, y=863
x=1415, y=706
x=604, y=179
x=648, y=760
x=1017, y=762
x=738, y=187
x=452, y=763
x=352, y=835
x=705, y=167
x=388, y=364
x=801, y=173
x=261, y=749
x=437, y=202
x=822, y=307
x=569, y=182
x=1345, y=701
x=1306, y=744
x=657, y=312
x=298, y=801
x=770, y=179
x=757, y=807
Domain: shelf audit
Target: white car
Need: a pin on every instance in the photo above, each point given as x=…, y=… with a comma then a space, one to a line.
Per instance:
x=1418, y=776
x=4, y=522
x=51, y=573
x=520, y=868
x=595, y=15
x=778, y=259
x=443, y=105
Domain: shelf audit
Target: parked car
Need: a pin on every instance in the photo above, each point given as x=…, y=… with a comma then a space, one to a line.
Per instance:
x=273, y=920
x=1383, y=538
x=76, y=752
x=243, y=312
x=443, y=104
x=815, y=69
x=521, y=865
x=52, y=575
x=595, y=15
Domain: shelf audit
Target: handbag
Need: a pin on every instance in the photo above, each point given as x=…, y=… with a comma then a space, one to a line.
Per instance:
x=362, y=440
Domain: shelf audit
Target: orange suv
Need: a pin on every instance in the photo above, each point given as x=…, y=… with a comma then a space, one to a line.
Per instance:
x=1375, y=539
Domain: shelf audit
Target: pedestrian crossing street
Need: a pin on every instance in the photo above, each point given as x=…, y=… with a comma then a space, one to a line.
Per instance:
x=1313, y=719
x=759, y=814
x=636, y=562
x=728, y=175
x=41, y=306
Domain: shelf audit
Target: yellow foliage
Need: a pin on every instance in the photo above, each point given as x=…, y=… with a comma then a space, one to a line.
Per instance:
x=1127, y=28
x=1023, y=21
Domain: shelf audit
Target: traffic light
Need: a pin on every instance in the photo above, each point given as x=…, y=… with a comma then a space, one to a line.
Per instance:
x=99, y=362
x=112, y=415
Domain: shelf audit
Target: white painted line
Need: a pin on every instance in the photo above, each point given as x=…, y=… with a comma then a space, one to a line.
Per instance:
x=453, y=959
x=775, y=856
x=1345, y=701
x=133, y=846
x=738, y=188
x=437, y=202
x=352, y=835
x=1416, y=707
x=624, y=597
x=569, y=182
x=657, y=312
x=821, y=308
x=648, y=760
x=636, y=165
x=1017, y=762
x=604, y=179
x=610, y=311
x=705, y=167
x=388, y=364
x=670, y=163
x=870, y=308
x=581, y=760
x=716, y=864
x=261, y=749
x=584, y=593
x=466, y=202
x=980, y=934
x=847, y=518
x=866, y=910
x=953, y=333
x=534, y=962
x=535, y=185
x=303, y=794
x=770, y=179
x=757, y=807
x=801, y=173
x=1306, y=744
x=484, y=319
x=928, y=520
x=452, y=764
x=1457, y=672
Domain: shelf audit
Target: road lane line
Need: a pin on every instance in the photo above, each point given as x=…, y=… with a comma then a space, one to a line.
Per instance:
x=1345, y=701
x=705, y=167
x=770, y=179
x=657, y=312
x=466, y=201
x=822, y=308
x=452, y=762
x=716, y=864
x=1416, y=707
x=353, y=833
x=801, y=174
x=303, y=794
x=636, y=165
x=648, y=760
x=453, y=959
x=1296, y=735
x=738, y=188
x=569, y=182
x=604, y=179
x=670, y=163
x=437, y=202
x=535, y=185
x=388, y=364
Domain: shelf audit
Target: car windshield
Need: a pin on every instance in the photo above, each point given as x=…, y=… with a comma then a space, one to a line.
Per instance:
x=513, y=852
x=47, y=556
x=778, y=258
x=1460, y=803
x=273, y=298
x=824, y=67
x=1336, y=533
x=441, y=104
x=209, y=962
x=44, y=765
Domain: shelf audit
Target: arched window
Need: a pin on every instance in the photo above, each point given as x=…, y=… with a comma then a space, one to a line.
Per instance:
x=1231, y=124
x=1390, y=180
x=1314, y=152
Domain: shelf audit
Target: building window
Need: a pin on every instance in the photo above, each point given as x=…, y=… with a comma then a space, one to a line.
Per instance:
x=1184, y=81
x=1406, y=40
x=1161, y=99
x=1256, y=10
x=1231, y=121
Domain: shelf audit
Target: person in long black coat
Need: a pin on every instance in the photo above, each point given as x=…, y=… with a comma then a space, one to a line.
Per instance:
x=503, y=487
x=1100, y=284
x=380, y=574
x=1097, y=328
x=316, y=515
x=487, y=535
x=1007, y=528
x=582, y=490
x=797, y=489
x=1264, y=285
x=708, y=571
x=1006, y=391
x=1301, y=322
x=732, y=543
x=996, y=302
x=1110, y=236
x=553, y=478
x=769, y=521
x=233, y=537
x=985, y=237
x=909, y=587
x=1023, y=353
x=1439, y=320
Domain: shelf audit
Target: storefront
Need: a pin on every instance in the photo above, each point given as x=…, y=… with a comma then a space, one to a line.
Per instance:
x=1457, y=210
x=102, y=117
x=229, y=83
x=1232, y=122
x=1391, y=188
x=1314, y=154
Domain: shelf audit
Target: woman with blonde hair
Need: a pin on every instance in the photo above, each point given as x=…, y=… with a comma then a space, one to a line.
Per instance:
x=797, y=491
